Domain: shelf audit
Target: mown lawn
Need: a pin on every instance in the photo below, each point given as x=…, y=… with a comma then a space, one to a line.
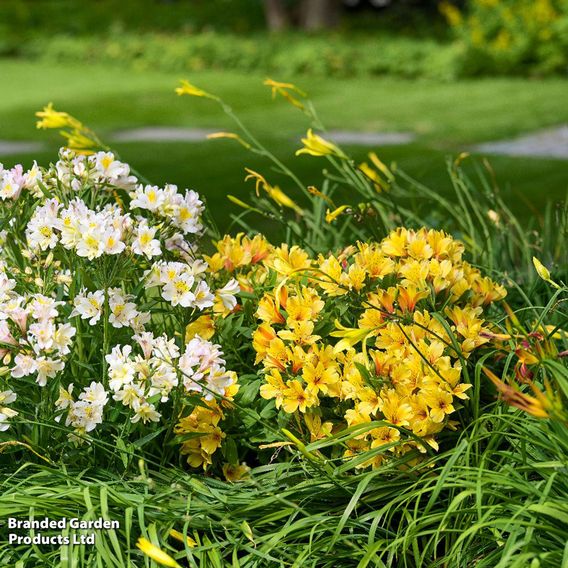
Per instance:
x=447, y=118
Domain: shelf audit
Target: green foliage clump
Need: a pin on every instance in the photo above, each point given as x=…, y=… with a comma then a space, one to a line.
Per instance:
x=511, y=36
x=287, y=54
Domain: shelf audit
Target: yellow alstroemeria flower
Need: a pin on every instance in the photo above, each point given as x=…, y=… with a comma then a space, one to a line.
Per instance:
x=315, y=145
x=156, y=553
x=350, y=336
x=188, y=89
x=51, y=118
x=203, y=326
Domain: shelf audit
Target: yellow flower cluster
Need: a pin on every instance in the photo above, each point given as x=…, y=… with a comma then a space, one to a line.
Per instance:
x=374, y=333
x=203, y=436
x=242, y=257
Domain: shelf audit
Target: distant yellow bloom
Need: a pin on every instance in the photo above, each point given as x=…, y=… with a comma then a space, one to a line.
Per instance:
x=50, y=118
x=283, y=89
x=156, y=553
x=315, y=145
x=331, y=216
x=380, y=166
x=274, y=192
x=315, y=191
x=239, y=202
x=188, y=89
x=230, y=135
x=373, y=176
x=543, y=272
x=80, y=141
x=260, y=181
x=281, y=198
x=182, y=538
x=538, y=406
x=451, y=13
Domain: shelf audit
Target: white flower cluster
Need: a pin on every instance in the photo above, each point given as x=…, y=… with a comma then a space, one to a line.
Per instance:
x=90, y=233
x=135, y=379
x=181, y=284
x=122, y=312
x=183, y=211
x=85, y=413
x=42, y=342
x=140, y=381
x=14, y=180
x=78, y=171
x=6, y=397
x=203, y=369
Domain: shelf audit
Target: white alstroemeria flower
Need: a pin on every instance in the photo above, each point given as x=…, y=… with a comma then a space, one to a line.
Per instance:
x=145, y=243
x=43, y=308
x=63, y=337
x=203, y=296
x=179, y=291
x=129, y=394
x=227, y=294
x=47, y=368
x=24, y=365
x=89, y=306
x=149, y=197
x=145, y=411
x=42, y=332
x=95, y=393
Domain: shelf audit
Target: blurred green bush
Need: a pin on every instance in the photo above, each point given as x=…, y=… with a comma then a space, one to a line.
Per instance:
x=511, y=36
x=484, y=37
x=285, y=54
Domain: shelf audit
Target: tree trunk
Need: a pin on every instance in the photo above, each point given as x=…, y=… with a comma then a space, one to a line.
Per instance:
x=276, y=15
x=319, y=14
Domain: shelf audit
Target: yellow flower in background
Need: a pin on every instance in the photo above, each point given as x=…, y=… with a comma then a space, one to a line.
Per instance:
x=259, y=179
x=79, y=138
x=50, y=118
x=538, y=406
x=451, y=13
x=156, y=553
x=230, y=136
x=276, y=194
x=380, y=166
x=315, y=145
x=187, y=88
x=284, y=90
x=331, y=216
x=80, y=141
x=543, y=272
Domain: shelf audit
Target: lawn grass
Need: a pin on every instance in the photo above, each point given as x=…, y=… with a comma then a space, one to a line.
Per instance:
x=447, y=118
